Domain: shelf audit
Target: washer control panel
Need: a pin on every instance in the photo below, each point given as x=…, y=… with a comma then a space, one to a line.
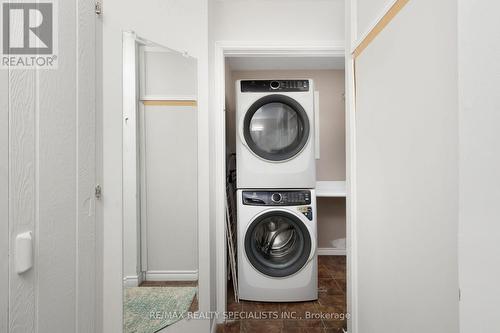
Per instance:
x=274, y=85
x=307, y=211
x=276, y=198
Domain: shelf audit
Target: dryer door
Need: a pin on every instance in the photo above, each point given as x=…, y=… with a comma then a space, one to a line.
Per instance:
x=278, y=244
x=276, y=127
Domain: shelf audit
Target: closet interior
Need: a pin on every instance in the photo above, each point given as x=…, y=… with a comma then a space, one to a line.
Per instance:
x=329, y=123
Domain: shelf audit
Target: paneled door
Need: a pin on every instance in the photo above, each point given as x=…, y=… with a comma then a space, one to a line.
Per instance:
x=47, y=180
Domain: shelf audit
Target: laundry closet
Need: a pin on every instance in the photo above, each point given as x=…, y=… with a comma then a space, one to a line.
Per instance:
x=296, y=96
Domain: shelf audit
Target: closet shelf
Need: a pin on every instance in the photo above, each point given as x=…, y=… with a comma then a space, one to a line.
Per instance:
x=331, y=189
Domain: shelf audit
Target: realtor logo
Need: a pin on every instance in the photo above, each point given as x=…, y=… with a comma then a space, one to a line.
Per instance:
x=29, y=38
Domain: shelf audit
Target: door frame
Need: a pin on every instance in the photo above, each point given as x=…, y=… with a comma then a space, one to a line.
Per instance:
x=224, y=49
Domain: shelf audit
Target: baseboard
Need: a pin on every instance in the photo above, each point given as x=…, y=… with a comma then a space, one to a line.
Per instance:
x=133, y=281
x=172, y=275
x=331, y=251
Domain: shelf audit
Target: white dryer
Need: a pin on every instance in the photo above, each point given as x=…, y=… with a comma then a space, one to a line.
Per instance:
x=277, y=259
x=275, y=134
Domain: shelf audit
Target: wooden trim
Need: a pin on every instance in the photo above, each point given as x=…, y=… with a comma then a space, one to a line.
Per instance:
x=170, y=103
x=384, y=21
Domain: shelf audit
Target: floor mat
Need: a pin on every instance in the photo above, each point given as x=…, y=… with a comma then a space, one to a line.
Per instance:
x=149, y=309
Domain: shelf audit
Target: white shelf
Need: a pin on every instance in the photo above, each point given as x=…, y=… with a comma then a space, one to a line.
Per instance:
x=331, y=251
x=331, y=189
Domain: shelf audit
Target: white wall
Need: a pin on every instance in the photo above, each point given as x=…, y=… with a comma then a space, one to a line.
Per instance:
x=479, y=228
x=407, y=173
x=169, y=74
x=180, y=25
x=292, y=20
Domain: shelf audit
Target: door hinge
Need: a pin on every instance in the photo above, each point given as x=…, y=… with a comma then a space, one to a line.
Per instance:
x=98, y=7
x=98, y=191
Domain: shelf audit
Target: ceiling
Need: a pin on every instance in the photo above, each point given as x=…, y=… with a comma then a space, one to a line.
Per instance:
x=285, y=63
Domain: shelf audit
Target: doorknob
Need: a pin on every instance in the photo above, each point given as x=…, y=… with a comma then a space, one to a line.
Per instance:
x=24, y=252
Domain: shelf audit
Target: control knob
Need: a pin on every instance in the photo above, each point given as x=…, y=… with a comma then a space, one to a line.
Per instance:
x=276, y=197
x=275, y=85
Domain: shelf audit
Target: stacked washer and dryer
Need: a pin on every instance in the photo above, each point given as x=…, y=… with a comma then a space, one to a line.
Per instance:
x=276, y=203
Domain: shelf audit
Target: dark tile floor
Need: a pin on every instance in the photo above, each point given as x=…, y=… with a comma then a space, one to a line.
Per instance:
x=326, y=310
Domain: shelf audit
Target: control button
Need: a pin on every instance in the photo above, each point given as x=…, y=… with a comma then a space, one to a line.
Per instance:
x=275, y=85
x=276, y=197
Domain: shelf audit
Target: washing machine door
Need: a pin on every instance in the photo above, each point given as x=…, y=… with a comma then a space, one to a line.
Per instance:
x=276, y=127
x=278, y=244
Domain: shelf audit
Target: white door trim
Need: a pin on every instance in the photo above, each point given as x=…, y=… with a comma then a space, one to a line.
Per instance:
x=131, y=172
x=4, y=200
x=225, y=49
x=351, y=34
x=351, y=221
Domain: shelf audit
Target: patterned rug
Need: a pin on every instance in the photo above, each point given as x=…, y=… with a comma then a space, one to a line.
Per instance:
x=149, y=309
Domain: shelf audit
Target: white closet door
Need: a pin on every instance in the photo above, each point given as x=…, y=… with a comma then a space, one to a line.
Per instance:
x=407, y=173
x=47, y=165
x=479, y=72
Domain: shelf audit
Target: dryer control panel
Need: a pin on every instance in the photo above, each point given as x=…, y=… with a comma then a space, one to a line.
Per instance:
x=274, y=85
x=276, y=198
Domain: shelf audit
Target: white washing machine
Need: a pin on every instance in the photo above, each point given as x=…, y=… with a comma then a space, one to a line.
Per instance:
x=275, y=134
x=277, y=259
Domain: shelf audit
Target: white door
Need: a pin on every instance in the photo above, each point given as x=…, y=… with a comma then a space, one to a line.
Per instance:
x=479, y=230
x=47, y=179
x=407, y=174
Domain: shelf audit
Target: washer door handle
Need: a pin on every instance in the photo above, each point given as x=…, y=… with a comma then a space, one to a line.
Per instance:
x=313, y=247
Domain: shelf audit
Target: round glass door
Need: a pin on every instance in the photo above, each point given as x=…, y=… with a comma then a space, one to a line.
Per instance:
x=278, y=244
x=276, y=127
